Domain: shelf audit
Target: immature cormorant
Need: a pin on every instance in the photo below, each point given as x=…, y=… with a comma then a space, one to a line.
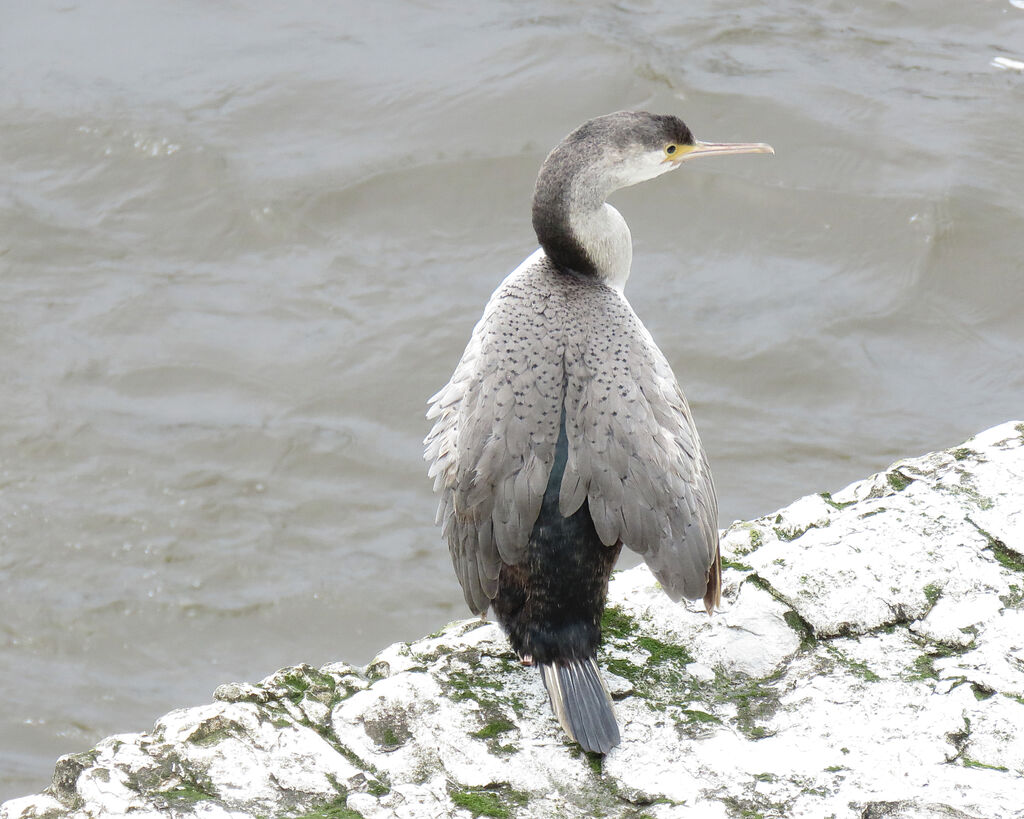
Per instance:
x=563, y=435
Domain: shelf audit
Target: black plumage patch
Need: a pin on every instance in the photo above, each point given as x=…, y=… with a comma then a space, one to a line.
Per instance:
x=550, y=604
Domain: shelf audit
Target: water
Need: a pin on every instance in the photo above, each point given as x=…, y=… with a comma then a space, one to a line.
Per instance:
x=241, y=244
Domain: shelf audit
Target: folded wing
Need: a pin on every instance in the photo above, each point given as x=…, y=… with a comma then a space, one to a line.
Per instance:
x=635, y=455
x=493, y=440
x=547, y=339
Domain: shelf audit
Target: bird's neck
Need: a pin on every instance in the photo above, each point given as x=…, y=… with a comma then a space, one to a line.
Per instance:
x=578, y=229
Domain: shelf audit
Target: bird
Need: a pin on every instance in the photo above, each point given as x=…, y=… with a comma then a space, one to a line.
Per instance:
x=563, y=434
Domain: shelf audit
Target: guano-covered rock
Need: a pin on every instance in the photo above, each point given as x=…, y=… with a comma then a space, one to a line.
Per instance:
x=868, y=662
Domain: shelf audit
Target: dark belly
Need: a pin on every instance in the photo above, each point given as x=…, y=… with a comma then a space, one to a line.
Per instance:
x=550, y=604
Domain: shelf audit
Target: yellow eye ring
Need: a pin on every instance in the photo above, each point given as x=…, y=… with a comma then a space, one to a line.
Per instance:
x=671, y=149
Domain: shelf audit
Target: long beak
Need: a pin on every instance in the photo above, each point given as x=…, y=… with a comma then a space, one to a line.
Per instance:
x=721, y=148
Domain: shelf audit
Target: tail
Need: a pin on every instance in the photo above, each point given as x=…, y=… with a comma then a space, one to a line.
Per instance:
x=582, y=703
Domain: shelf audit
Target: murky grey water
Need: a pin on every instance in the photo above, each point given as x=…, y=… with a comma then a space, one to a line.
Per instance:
x=241, y=245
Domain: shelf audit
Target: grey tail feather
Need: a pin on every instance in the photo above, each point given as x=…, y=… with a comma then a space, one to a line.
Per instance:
x=582, y=703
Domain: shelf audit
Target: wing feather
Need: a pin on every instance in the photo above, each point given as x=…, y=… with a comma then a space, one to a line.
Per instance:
x=495, y=429
x=634, y=447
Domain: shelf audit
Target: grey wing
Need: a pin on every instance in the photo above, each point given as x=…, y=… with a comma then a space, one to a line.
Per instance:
x=493, y=441
x=636, y=457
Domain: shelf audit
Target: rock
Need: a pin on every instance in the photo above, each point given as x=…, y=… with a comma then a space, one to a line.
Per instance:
x=868, y=662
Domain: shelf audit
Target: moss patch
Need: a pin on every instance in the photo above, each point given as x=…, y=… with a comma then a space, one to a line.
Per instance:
x=855, y=666
x=663, y=652
x=932, y=593
x=700, y=716
x=624, y=668
x=472, y=686
x=827, y=497
x=792, y=617
x=304, y=680
x=484, y=685
x=923, y=667
x=493, y=729
x=898, y=480
x=973, y=763
x=214, y=730
x=616, y=624
x=66, y=773
x=499, y=802
x=1006, y=556
x=389, y=729
x=755, y=806
x=480, y=803
x=492, y=733
x=756, y=540
x=663, y=668
x=788, y=534
x=184, y=794
x=174, y=780
x=756, y=700
x=982, y=692
x=663, y=683
x=1014, y=597
x=338, y=809
x=801, y=627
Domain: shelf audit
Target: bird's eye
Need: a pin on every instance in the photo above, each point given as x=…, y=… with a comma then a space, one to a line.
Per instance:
x=670, y=149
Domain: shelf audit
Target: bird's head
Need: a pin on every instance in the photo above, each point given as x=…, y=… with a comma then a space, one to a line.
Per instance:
x=628, y=147
x=576, y=227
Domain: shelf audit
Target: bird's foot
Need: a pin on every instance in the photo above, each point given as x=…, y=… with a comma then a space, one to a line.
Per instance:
x=526, y=660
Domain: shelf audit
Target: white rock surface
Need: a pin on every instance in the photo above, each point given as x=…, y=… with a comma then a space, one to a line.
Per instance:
x=868, y=662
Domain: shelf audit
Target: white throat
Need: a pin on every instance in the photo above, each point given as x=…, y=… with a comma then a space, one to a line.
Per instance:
x=605, y=235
